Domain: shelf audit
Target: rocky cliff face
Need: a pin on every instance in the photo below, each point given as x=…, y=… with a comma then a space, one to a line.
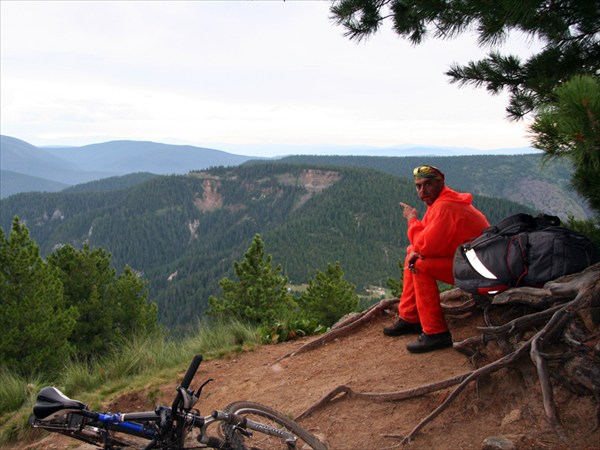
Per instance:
x=546, y=197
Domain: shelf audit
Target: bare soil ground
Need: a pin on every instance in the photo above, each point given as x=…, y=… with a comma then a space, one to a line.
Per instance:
x=507, y=404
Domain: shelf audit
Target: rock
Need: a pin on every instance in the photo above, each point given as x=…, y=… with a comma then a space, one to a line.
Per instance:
x=498, y=443
x=512, y=417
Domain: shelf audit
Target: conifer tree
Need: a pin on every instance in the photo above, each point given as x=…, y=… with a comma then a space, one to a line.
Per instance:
x=329, y=296
x=109, y=307
x=131, y=311
x=34, y=321
x=259, y=295
x=86, y=275
x=570, y=127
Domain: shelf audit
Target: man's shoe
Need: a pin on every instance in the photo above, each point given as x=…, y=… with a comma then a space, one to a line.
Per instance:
x=428, y=342
x=402, y=327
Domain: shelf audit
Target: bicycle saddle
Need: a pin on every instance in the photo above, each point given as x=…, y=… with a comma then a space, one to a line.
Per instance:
x=51, y=403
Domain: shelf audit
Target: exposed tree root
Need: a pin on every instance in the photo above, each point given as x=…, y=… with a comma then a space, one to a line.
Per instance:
x=344, y=328
x=563, y=308
x=475, y=375
x=344, y=391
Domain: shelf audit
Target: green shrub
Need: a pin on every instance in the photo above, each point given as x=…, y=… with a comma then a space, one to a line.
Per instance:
x=288, y=330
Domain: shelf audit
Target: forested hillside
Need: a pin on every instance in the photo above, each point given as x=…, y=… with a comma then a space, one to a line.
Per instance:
x=184, y=232
x=527, y=179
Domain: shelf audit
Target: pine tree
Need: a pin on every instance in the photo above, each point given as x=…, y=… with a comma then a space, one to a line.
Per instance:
x=259, y=295
x=568, y=30
x=110, y=308
x=329, y=296
x=570, y=127
x=132, y=314
x=86, y=275
x=34, y=321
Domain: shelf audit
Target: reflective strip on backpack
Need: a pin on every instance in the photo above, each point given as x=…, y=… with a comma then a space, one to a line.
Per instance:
x=478, y=265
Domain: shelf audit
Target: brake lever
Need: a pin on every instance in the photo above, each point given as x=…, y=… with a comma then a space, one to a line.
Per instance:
x=199, y=391
x=188, y=398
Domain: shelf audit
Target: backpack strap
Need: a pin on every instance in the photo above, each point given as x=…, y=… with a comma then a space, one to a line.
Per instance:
x=512, y=224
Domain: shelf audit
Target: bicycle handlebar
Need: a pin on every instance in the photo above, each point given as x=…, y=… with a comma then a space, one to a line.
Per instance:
x=189, y=375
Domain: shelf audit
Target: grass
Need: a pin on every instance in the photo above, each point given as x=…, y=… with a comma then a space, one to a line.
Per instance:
x=139, y=363
x=13, y=391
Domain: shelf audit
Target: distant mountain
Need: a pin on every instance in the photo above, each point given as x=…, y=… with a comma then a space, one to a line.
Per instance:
x=14, y=182
x=20, y=157
x=121, y=157
x=183, y=232
x=74, y=165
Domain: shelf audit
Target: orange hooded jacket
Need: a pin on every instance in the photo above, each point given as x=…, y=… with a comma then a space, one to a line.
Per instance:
x=449, y=222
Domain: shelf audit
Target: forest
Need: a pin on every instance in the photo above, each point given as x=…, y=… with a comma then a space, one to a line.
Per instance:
x=182, y=233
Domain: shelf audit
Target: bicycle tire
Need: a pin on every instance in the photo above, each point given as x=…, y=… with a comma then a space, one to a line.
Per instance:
x=262, y=441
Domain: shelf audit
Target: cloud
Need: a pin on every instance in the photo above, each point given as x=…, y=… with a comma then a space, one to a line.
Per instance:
x=231, y=72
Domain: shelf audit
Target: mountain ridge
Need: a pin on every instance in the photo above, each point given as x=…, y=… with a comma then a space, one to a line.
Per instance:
x=75, y=165
x=72, y=165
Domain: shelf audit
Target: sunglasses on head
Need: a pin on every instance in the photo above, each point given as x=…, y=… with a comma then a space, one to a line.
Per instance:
x=427, y=171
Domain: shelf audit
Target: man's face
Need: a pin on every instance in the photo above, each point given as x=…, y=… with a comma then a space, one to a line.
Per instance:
x=429, y=189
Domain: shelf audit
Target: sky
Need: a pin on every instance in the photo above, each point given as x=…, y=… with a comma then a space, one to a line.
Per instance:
x=250, y=77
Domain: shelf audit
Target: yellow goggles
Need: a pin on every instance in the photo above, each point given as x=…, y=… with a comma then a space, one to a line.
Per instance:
x=427, y=172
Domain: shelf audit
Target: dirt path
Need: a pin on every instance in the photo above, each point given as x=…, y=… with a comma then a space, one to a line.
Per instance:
x=507, y=404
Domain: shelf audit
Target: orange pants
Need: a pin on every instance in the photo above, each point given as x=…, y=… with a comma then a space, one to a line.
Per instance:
x=420, y=300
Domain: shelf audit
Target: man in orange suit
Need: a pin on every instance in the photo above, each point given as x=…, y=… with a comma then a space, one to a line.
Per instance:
x=449, y=221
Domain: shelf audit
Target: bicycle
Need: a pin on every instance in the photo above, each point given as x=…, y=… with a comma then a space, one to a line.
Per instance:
x=242, y=425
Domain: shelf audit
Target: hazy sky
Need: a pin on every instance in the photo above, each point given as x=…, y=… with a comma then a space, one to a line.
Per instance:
x=220, y=74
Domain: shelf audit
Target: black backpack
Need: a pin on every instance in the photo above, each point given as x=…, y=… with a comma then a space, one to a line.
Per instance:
x=520, y=250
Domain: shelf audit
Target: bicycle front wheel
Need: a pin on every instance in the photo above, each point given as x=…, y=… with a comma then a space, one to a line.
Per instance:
x=258, y=439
